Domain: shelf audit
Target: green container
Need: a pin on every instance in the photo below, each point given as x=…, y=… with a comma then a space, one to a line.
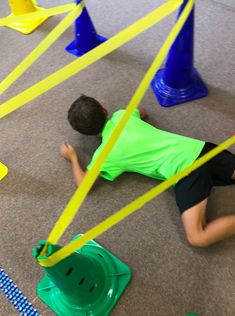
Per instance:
x=88, y=282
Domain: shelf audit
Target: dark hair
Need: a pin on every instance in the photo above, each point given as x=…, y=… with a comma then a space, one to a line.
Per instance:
x=87, y=116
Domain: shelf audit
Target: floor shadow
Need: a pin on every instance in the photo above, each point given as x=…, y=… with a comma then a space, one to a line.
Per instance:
x=17, y=183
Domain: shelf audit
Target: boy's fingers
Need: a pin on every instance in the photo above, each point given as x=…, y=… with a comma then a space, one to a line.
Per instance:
x=68, y=145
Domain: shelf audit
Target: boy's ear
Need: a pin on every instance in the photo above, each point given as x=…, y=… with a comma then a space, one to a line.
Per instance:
x=105, y=111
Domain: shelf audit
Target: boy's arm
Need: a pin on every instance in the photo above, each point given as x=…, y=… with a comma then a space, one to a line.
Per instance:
x=143, y=113
x=69, y=153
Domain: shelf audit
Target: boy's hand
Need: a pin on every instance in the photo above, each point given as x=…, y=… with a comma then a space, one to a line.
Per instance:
x=68, y=152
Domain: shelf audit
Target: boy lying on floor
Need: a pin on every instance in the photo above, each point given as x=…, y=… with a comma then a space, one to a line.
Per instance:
x=158, y=154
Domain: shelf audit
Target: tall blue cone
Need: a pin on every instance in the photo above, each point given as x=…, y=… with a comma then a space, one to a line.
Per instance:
x=86, y=37
x=179, y=81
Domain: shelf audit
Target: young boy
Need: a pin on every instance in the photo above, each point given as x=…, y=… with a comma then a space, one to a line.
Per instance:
x=152, y=152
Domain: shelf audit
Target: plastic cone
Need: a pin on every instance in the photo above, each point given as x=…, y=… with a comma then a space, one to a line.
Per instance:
x=86, y=37
x=88, y=282
x=3, y=171
x=179, y=81
x=19, y=7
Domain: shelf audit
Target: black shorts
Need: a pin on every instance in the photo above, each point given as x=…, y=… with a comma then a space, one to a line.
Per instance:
x=197, y=185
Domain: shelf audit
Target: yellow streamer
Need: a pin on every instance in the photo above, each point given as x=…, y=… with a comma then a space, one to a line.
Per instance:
x=131, y=208
x=38, y=14
x=89, y=58
x=41, y=48
x=79, y=196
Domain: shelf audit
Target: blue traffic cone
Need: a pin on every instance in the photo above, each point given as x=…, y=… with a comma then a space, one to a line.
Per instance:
x=88, y=282
x=179, y=81
x=86, y=37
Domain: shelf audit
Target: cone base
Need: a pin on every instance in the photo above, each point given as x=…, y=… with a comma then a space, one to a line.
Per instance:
x=3, y=171
x=117, y=277
x=27, y=26
x=73, y=48
x=168, y=96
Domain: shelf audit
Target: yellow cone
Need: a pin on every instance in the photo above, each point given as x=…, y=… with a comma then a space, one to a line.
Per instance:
x=20, y=7
x=3, y=171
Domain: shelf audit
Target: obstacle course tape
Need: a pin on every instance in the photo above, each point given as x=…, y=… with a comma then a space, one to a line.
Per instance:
x=41, y=48
x=80, y=194
x=15, y=296
x=89, y=58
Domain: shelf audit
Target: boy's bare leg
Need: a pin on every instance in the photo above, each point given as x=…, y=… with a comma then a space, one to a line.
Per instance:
x=233, y=176
x=201, y=235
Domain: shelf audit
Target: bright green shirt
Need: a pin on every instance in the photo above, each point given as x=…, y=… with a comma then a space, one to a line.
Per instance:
x=145, y=149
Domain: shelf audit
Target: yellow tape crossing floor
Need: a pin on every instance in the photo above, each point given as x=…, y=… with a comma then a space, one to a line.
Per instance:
x=43, y=46
x=89, y=58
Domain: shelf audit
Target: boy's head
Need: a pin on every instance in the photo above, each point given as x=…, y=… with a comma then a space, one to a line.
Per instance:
x=87, y=116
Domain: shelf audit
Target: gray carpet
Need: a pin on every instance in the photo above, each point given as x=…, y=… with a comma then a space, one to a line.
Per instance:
x=169, y=277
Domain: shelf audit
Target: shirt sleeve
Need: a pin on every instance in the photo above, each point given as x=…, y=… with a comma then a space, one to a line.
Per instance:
x=111, y=173
x=136, y=113
x=108, y=171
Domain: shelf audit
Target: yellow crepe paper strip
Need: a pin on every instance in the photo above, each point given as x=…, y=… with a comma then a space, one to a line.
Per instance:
x=41, y=48
x=89, y=58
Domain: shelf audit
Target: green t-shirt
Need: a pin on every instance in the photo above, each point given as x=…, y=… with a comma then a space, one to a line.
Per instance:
x=145, y=149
